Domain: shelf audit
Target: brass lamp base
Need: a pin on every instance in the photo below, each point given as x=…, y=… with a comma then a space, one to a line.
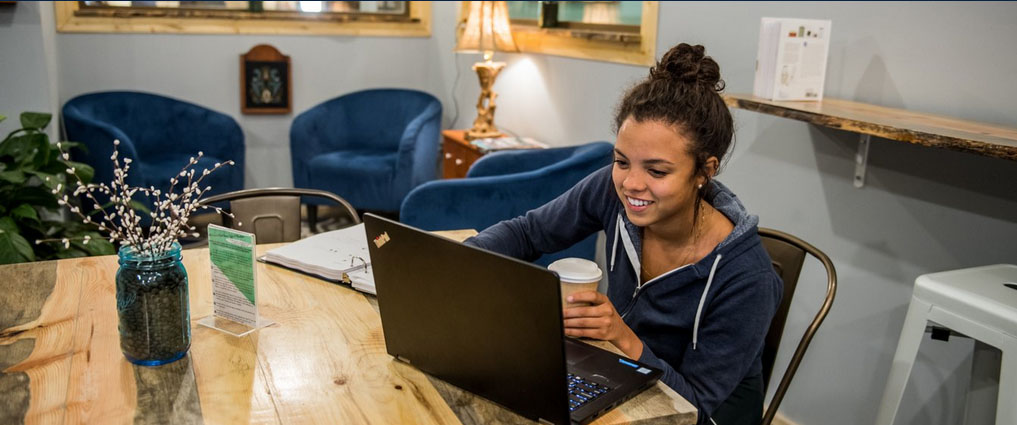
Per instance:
x=483, y=126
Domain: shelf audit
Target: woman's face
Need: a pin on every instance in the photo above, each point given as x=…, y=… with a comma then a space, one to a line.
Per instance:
x=653, y=174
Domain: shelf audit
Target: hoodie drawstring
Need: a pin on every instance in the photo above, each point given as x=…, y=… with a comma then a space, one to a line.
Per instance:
x=702, y=300
x=614, y=246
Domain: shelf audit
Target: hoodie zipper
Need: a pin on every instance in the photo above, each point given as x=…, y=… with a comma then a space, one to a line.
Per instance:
x=639, y=288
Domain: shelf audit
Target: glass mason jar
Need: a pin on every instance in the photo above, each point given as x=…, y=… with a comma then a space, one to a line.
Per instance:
x=152, y=304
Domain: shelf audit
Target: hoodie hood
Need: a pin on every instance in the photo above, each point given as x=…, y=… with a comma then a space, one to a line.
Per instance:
x=628, y=236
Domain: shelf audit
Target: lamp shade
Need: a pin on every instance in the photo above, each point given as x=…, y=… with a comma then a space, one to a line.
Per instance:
x=487, y=29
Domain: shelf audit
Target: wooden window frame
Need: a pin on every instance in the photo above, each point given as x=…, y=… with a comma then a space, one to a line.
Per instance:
x=418, y=24
x=583, y=42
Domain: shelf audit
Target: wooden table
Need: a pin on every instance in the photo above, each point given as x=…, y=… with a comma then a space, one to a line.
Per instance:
x=323, y=362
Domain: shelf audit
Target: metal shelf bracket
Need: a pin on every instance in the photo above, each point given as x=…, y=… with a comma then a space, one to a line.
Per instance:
x=861, y=159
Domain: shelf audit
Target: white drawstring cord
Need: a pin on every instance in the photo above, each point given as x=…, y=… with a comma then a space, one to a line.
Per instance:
x=702, y=300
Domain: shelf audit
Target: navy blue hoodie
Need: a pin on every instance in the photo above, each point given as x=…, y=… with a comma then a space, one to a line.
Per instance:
x=702, y=323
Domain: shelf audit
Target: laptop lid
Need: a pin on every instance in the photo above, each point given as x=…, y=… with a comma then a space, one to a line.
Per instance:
x=487, y=323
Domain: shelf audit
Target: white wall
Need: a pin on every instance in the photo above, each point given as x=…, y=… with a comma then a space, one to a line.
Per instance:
x=27, y=63
x=922, y=209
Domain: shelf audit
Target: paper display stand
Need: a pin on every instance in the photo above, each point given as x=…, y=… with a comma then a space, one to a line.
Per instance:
x=234, y=283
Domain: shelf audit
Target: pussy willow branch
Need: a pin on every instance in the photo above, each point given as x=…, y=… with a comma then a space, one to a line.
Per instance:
x=169, y=219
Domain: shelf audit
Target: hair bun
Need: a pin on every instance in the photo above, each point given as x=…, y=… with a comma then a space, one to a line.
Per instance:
x=688, y=64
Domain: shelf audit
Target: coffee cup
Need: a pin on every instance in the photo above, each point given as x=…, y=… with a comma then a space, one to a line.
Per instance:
x=576, y=275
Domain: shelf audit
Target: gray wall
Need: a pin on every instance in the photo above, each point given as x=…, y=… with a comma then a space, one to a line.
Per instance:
x=27, y=63
x=922, y=209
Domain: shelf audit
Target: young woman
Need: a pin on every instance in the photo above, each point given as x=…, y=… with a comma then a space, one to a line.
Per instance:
x=691, y=289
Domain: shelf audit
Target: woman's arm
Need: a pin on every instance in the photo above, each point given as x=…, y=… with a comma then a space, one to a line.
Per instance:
x=556, y=225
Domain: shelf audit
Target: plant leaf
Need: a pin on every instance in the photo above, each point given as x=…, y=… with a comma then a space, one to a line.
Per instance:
x=13, y=176
x=98, y=245
x=35, y=119
x=24, y=148
x=2, y=118
x=49, y=180
x=70, y=253
x=13, y=247
x=25, y=212
x=34, y=195
x=84, y=171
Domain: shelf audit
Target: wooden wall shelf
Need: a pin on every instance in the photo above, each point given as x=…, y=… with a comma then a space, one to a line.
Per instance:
x=889, y=123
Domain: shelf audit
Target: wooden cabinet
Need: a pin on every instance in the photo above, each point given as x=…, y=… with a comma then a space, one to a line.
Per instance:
x=457, y=154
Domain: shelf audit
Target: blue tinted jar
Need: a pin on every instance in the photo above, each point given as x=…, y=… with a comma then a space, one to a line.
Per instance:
x=152, y=305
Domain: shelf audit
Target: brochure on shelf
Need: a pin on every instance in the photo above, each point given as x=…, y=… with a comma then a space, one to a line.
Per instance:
x=791, y=58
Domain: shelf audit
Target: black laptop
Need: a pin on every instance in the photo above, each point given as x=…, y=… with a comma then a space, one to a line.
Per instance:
x=492, y=325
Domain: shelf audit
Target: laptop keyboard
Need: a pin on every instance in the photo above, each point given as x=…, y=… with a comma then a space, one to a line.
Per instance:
x=582, y=391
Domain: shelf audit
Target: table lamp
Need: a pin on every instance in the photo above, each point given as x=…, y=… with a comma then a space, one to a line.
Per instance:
x=487, y=29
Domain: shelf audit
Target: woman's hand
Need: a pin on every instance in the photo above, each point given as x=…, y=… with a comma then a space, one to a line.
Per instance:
x=600, y=321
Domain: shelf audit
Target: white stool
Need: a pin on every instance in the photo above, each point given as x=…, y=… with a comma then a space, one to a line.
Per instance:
x=975, y=302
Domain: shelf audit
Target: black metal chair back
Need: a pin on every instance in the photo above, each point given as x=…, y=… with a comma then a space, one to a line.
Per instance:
x=788, y=255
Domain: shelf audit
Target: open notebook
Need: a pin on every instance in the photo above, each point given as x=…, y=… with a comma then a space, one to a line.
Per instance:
x=339, y=256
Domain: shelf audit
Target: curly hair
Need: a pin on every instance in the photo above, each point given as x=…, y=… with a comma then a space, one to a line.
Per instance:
x=682, y=90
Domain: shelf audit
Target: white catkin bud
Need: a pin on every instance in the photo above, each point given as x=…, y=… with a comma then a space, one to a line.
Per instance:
x=116, y=142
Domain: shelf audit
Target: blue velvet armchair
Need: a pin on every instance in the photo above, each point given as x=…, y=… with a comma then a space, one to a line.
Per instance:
x=504, y=185
x=159, y=134
x=370, y=147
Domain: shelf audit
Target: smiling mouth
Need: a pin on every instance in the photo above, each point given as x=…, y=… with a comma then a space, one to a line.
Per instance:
x=637, y=203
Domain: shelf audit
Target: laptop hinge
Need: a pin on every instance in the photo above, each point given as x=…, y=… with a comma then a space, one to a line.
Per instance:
x=403, y=359
x=544, y=421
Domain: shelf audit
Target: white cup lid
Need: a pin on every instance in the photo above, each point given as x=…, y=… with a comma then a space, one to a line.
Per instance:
x=576, y=270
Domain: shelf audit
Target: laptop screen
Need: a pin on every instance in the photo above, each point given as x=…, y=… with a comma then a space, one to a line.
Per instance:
x=481, y=321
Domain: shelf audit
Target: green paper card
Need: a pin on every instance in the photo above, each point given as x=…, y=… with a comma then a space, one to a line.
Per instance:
x=234, y=282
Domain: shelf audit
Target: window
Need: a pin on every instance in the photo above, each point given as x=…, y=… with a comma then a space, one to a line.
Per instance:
x=400, y=18
x=613, y=31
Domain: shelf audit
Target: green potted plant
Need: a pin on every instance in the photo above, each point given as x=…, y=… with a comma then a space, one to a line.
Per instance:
x=34, y=177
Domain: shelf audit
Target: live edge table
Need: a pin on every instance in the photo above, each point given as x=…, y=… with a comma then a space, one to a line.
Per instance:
x=324, y=361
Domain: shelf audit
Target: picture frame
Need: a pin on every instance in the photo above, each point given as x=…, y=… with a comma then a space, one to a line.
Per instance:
x=265, y=81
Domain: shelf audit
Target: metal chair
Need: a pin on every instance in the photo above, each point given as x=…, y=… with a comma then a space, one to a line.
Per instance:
x=272, y=214
x=788, y=255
